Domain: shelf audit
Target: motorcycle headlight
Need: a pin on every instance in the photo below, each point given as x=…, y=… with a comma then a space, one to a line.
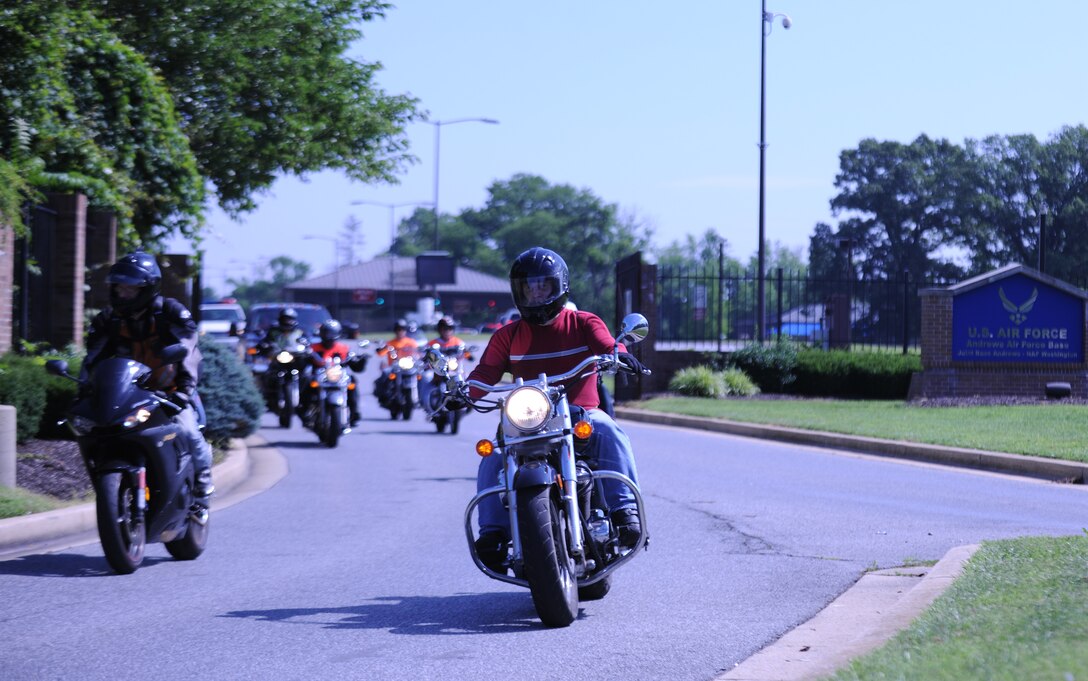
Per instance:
x=528, y=408
x=136, y=418
x=405, y=362
x=285, y=357
x=334, y=374
x=451, y=365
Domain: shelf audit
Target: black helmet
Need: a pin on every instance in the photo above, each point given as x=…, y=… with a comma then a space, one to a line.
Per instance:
x=540, y=284
x=401, y=325
x=329, y=331
x=135, y=269
x=288, y=318
x=444, y=323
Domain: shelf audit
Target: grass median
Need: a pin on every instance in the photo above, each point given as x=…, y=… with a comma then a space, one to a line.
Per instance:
x=1020, y=609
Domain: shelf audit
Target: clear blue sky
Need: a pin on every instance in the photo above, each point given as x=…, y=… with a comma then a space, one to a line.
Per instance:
x=655, y=107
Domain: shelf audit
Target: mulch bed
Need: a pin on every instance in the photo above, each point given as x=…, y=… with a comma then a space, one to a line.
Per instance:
x=52, y=467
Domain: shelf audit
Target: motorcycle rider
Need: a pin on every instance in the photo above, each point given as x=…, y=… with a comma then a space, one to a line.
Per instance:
x=283, y=333
x=139, y=323
x=551, y=338
x=402, y=344
x=447, y=343
x=328, y=346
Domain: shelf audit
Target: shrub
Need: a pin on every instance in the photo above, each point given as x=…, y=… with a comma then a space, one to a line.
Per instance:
x=60, y=393
x=771, y=366
x=868, y=375
x=22, y=385
x=704, y=381
x=231, y=400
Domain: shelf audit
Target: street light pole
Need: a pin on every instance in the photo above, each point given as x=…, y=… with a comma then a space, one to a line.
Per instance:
x=437, y=144
x=392, y=243
x=335, y=272
x=766, y=24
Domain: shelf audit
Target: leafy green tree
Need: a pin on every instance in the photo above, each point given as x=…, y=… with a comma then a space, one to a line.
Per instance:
x=265, y=88
x=85, y=112
x=269, y=281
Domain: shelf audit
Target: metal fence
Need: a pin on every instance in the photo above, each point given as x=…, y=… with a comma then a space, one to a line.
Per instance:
x=712, y=308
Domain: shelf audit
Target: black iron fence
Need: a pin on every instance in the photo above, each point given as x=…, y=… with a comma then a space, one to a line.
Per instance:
x=714, y=308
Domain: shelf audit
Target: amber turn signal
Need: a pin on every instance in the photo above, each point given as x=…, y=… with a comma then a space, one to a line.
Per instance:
x=582, y=430
x=484, y=448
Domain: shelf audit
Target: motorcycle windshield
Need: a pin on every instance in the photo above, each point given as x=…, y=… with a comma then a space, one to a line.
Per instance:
x=115, y=393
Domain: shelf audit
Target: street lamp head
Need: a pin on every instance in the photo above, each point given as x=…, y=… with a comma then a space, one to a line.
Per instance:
x=768, y=21
x=786, y=22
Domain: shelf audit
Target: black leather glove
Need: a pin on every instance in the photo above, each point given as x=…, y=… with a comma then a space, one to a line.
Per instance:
x=181, y=398
x=632, y=363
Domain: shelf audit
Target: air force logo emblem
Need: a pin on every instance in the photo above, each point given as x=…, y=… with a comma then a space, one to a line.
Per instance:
x=1019, y=313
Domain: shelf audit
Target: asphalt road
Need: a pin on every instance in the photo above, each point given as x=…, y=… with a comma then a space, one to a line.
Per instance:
x=354, y=565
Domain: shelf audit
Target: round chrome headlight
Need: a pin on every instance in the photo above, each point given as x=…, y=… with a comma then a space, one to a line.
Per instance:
x=285, y=357
x=451, y=365
x=528, y=408
x=334, y=373
x=405, y=362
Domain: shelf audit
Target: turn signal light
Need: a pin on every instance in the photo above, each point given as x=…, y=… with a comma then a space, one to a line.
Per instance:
x=313, y=384
x=392, y=377
x=582, y=430
x=484, y=448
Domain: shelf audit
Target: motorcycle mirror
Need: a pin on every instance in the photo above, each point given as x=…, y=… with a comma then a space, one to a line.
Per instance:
x=633, y=329
x=57, y=367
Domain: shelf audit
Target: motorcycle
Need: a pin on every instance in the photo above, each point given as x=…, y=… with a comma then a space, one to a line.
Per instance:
x=281, y=379
x=327, y=413
x=138, y=460
x=398, y=388
x=563, y=546
x=434, y=381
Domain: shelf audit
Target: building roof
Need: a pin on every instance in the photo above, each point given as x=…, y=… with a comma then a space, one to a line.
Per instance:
x=375, y=274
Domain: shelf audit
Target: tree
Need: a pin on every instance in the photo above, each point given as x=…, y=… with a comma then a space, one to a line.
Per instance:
x=264, y=88
x=269, y=281
x=351, y=239
x=85, y=112
x=902, y=205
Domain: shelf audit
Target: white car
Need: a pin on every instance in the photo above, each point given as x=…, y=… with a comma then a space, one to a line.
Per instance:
x=222, y=322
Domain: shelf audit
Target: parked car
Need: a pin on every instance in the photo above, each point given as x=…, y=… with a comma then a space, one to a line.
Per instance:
x=224, y=323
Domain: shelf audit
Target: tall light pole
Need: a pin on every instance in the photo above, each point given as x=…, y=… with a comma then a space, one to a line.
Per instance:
x=335, y=272
x=766, y=24
x=392, y=243
x=437, y=144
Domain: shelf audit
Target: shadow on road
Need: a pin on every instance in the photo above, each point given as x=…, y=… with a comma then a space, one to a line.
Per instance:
x=461, y=614
x=66, y=565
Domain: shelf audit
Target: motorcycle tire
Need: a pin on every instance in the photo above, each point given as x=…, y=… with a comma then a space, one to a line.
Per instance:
x=394, y=412
x=455, y=422
x=287, y=410
x=549, y=569
x=123, y=537
x=595, y=591
x=407, y=412
x=334, y=425
x=192, y=544
x=440, y=422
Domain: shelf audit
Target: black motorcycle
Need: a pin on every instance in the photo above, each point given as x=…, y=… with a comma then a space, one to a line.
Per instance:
x=139, y=462
x=397, y=389
x=287, y=360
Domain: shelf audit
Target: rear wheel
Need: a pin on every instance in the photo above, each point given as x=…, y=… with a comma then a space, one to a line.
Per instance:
x=548, y=567
x=192, y=544
x=123, y=537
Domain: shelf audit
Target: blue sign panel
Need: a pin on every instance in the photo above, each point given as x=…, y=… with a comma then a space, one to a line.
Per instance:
x=1017, y=319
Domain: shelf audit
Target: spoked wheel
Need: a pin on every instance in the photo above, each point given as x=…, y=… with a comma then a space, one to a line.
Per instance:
x=123, y=537
x=548, y=567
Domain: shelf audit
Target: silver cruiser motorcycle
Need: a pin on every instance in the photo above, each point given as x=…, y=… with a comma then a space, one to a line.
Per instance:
x=563, y=544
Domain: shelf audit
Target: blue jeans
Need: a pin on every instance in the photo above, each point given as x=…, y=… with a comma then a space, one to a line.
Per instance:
x=608, y=449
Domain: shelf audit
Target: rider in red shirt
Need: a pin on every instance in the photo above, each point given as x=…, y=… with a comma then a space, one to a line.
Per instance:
x=552, y=338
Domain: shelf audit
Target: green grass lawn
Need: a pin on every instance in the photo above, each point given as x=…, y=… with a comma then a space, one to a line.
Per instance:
x=1058, y=431
x=1019, y=611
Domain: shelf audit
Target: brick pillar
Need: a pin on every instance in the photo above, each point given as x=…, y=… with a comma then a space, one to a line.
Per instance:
x=101, y=254
x=65, y=305
x=936, y=328
x=7, y=285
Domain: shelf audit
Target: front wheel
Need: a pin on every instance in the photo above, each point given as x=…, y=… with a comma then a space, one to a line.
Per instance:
x=548, y=567
x=123, y=536
x=287, y=409
x=334, y=425
x=455, y=421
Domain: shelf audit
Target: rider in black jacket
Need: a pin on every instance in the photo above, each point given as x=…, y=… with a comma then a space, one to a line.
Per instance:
x=138, y=324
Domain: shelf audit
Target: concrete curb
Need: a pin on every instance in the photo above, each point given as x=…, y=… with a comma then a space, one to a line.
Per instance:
x=1051, y=469
x=878, y=606
x=37, y=528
